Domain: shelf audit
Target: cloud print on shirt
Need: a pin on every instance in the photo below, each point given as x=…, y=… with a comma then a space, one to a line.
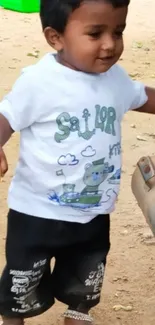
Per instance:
x=88, y=152
x=68, y=160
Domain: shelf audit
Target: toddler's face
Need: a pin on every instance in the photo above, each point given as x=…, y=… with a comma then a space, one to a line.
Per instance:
x=93, y=38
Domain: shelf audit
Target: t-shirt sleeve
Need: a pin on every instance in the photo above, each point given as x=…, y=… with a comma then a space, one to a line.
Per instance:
x=133, y=93
x=19, y=107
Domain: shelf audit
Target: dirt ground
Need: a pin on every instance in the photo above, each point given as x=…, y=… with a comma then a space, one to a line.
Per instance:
x=130, y=275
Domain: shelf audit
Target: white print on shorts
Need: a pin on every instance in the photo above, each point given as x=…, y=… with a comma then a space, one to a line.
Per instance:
x=20, y=284
x=94, y=297
x=95, y=280
x=20, y=273
x=21, y=281
x=26, y=281
x=23, y=298
x=39, y=264
x=25, y=284
x=24, y=273
x=26, y=308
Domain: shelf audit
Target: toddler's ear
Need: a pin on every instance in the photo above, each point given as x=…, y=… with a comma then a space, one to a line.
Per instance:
x=53, y=38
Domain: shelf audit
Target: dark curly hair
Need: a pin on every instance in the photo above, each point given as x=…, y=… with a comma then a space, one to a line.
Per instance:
x=55, y=13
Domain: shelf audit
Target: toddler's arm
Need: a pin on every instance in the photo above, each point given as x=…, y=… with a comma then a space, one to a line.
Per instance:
x=5, y=130
x=5, y=134
x=149, y=107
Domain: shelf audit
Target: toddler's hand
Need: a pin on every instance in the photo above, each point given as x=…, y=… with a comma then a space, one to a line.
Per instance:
x=3, y=163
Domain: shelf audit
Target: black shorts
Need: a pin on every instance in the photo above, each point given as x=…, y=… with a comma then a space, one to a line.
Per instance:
x=28, y=287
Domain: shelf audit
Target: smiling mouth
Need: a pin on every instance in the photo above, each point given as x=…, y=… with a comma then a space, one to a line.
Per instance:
x=107, y=58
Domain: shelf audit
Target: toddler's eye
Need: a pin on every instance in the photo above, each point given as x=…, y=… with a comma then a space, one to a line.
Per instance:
x=119, y=34
x=95, y=34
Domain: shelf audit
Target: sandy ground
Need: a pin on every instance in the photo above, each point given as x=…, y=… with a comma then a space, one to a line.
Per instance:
x=130, y=275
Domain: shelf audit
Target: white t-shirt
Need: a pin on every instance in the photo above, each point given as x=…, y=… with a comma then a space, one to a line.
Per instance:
x=69, y=165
